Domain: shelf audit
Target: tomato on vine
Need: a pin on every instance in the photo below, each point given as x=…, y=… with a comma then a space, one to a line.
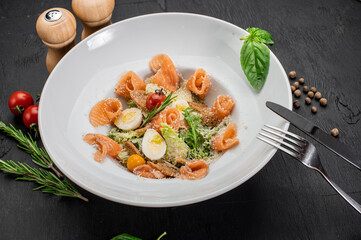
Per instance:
x=19, y=101
x=30, y=119
x=155, y=99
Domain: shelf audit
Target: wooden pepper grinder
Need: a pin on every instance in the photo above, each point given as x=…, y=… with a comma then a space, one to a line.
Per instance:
x=57, y=29
x=94, y=14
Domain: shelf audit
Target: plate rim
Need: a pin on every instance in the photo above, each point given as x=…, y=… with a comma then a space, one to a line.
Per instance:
x=193, y=200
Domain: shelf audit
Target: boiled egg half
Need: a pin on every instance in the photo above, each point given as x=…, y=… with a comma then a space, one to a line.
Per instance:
x=129, y=119
x=153, y=145
x=181, y=105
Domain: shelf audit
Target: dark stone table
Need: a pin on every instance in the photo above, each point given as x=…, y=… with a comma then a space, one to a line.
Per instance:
x=285, y=200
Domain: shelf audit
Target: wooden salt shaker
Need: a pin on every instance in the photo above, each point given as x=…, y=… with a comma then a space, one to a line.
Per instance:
x=57, y=29
x=94, y=14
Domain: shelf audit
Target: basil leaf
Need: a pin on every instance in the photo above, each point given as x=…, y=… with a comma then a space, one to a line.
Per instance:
x=252, y=30
x=264, y=37
x=255, y=61
x=260, y=35
x=125, y=236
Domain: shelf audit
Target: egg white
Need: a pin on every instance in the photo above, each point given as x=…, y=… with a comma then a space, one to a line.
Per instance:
x=129, y=119
x=153, y=145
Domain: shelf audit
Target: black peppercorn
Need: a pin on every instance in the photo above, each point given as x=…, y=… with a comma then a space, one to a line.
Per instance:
x=297, y=104
x=292, y=74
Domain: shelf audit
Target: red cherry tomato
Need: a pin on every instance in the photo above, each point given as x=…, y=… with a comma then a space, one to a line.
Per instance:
x=19, y=101
x=154, y=99
x=30, y=116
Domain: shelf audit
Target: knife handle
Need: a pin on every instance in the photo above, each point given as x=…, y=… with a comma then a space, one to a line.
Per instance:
x=57, y=29
x=345, y=196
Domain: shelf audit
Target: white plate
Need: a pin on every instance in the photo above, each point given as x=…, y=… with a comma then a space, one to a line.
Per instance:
x=90, y=71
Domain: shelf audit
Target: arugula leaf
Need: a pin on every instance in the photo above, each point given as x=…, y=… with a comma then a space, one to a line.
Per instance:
x=198, y=137
x=131, y=104
x=255, y=56
x=193, y=138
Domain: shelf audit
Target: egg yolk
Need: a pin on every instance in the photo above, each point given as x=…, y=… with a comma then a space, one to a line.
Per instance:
x=156, y=139
x=181, y=107
x=128, y=116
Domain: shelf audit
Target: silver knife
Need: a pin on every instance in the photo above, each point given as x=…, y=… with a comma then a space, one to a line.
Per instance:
x=316, y=133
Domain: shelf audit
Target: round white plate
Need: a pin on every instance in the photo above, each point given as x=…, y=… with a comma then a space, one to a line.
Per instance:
x=90, y=71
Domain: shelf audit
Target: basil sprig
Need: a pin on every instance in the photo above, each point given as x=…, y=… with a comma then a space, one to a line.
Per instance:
x=255, y=56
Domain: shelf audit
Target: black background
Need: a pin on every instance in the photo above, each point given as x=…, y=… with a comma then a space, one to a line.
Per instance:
x=285, y=200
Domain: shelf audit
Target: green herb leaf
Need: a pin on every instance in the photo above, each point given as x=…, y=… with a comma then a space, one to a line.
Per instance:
x=125, y=236
x=26, y=143
x=255, y=56
x=49, y=183
x=260, y=35
x=198, y=137
x=163, y=234
x=255, y=61
x=193, y=138
x=132, y=104
x=176, y=147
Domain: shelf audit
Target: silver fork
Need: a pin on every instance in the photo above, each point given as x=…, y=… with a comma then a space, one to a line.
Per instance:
x=303, y=151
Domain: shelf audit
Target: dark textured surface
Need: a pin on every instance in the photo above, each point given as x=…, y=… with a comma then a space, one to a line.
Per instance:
x=318, y=39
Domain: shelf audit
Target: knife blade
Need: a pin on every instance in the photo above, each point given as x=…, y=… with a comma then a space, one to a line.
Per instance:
x=316, y=133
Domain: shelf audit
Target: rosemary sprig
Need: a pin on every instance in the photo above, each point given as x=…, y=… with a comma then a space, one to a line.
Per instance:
x=157, y=110
x=26, y=143
x=49, y=183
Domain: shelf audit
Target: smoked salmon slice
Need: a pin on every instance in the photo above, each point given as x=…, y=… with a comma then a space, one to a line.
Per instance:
x=128, y=83
x=222, y=107
x=170, y=116
x=194, y=169
x=105, y=146
x=227, y=140
x=105, y=112
x=199, y=83
x=165, y=72
x=147, y=171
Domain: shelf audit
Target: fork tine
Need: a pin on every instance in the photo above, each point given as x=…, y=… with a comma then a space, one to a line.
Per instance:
x=294, y=141
x=286, y=132
x=279, y=147
x=293, y=147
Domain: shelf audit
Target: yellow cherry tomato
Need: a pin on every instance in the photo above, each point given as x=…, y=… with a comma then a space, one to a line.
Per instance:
x=134, y=161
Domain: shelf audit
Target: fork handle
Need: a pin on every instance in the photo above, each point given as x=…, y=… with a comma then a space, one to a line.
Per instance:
x=345, y=196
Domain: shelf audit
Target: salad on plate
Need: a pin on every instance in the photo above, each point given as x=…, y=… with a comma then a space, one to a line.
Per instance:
x=166, y=131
